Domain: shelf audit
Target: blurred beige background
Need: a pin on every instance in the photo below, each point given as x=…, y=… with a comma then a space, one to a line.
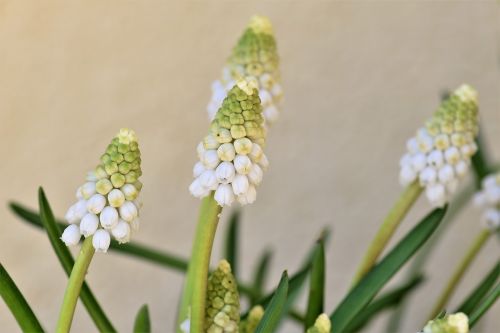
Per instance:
x=359, y=78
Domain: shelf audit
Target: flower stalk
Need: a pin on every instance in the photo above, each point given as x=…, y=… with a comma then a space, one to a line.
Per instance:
x=74, y=285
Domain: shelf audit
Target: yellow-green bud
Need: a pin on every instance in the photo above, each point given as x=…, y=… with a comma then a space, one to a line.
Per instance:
x=250, y=323
x=321, y=325
x=452, y=323
x=223, y=303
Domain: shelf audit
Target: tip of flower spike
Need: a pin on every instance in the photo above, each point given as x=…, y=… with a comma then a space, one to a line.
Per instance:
x=126, y=136
x=224, y=266
x=321, y=325
x=261, y=24
x=452, y=323
x=247, y=85
x=466, y=93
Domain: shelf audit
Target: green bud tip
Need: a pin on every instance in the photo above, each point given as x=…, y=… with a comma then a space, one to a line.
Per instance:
x=321, y=325
x=253, y=319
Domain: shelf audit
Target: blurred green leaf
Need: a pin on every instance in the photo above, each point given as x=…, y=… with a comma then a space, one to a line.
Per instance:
x=62, y=252
x=387, y=300
x=316, y=286
x=370, y=285
x=488, y=302
x=480, y=163
x=471, y=302
x=276, y=308
x=260, y=277
x=142, y=323
x=17, y=303
x=231, y=242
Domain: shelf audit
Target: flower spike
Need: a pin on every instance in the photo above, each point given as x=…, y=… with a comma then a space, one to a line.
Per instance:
x=254, y=58
x=223, y=302
x=439, y=155
x=488, y=198
x=231, y=156
x=453, y=323
x=321, y=325
x=108, y=202
x=251, y=322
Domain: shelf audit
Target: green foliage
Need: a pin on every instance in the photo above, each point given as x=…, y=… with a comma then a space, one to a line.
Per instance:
x=316, y=285
x=142, y=323
x=276, y=307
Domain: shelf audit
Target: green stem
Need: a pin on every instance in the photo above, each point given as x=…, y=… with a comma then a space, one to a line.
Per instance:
x=387, y=229
x=74, y=285
x=459, y=272
x=194, y=295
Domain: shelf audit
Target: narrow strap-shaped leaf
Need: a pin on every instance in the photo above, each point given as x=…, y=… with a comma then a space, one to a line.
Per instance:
x=260, y=277
x=387, y=300
x=370, y=285
x=276, y=308
x=316, y=286
x=488, y=302
x=18, y=304
x=132, y=248
x=231, y=242
x=94, y=309
x=471, y=302
x=142, y=323
x=480, y=162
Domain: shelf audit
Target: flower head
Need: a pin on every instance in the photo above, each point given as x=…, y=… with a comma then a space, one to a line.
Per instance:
x=254, y=58
x=488, y=198
x=439, y=155
x=108, y=202
x=321, y=325
x=452, y=323
x=250, y=323
x=231, y=157
x=223, y=302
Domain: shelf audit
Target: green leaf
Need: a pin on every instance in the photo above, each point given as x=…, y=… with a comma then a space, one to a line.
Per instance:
x=131, y=248
x=142, y=323
x=480, y=161
x=260, y=277
x=370, y=285
x=67, y=262
x=388, y=300
x=484, y=306
x=471, y=302
x=316, y=286
x=276, y=308
x=18, y=304
x=231, y=242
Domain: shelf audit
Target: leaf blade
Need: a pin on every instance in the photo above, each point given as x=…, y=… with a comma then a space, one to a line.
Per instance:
x=231, y=252
x=488, y=302
x=142, y=323
x=276, y=308
x=316, y=286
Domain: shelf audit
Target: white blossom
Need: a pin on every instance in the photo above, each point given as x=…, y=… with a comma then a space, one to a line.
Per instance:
x=488, y=199
x=71, y=235
x=101, y=240
x=89, y=225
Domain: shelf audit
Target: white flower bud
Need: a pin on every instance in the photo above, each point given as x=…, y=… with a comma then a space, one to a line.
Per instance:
x=224, y=195
x=224, y=136
x=210, y=159
x=277, y=90
x=435, y=158
x=129, y=191
x=412, y=146
x=265, y=97
x=89, y=225
x=240, y=184
x=128, y=211
x=256, y=153
x=491, y=219
x=135, y=224
x=442, y=142
x=493, y=195
x=446, y=173
x=427, y=176
x=461, y=168
x=79, y=194
x=71, y=235
x=266, y=80
x=138, y=203
x=255, y=175
x=468, y=150
x=80, y=209
x=197, y=190
x=425, y=143
x=249, y=196
x=436, y=194
x=96, y=203
x=225, y=172
x=407, y=175
x=264, y=162
x=210, y=142
x=198, y=169
x=208, y=180
x=91, y=176
x=452, y=155
x=116, y=198
x=418, y=161
x=200, y=150
x=242, y=164
x=108, y=217
x=271, y=113
x=226, y=152
x=71, y=216
x=243, y=146
x=101, y=241
x=405, y=160
x=121, y=232
x=87, y=190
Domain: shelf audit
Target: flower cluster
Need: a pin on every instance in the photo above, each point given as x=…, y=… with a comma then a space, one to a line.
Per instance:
x=250, y=323
x=254, y=58
x=108, y=202
x=223, y=302
x=231, y=156
x=321, y=325
x=489, y=199
x=439, y=156
x=453, y=323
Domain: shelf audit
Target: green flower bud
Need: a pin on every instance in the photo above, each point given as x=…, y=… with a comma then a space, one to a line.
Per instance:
x=453, y=323
x=321, y=325
x=223, y=304
x=250, y=323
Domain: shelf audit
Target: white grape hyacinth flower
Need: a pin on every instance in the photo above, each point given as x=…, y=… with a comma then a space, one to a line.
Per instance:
x=439, y=156
x=231, y=158
x=108, y=202
x=255, y=59
x=488, y=199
